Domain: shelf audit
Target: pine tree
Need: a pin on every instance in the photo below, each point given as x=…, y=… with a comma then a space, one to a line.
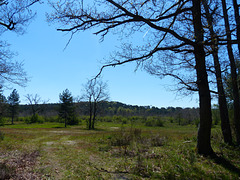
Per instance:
x=13, y=101
x=67, y=110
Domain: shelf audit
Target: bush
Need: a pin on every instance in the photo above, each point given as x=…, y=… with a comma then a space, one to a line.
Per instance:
x=184, y=122
x=171, y=119
x=154, y=121
x=21, y=119
x=40, y=119
x=122, y=139
x=125, y=137
x=117, y=118
x=27, y=120
x=70, y=121
x=34, y=118
x=105, y=119
x=149, y=123
x=2, y=121
x=197, y=122
x=1, y=135
x=159, y=123
x=124, y=121
x=73, y=121
x=52, y=119
x=157, y=140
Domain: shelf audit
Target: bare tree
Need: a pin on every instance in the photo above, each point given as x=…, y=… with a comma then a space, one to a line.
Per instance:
x=225, y=124
x=237, y=19
x=14, y=16
x=95, y=91
x=3, y=104
x=236, y=101
x=171, y=26
x=11, y=71
x=37, y=105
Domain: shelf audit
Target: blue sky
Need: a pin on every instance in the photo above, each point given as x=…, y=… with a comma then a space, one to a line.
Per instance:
x=52, y=69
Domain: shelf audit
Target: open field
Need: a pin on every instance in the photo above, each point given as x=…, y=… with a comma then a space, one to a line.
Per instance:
x=113, y=151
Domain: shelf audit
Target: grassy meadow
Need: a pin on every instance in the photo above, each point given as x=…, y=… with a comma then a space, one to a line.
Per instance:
x=112, y=151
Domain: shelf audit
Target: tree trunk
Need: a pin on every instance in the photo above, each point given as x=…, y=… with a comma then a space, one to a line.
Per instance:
x=236, y=103
x=94, y=114
x=12, y=117
x=65, y=119
x=225, y=124
x=90, y=115
x=12, y=113
x=237, y=19
x=204, y=131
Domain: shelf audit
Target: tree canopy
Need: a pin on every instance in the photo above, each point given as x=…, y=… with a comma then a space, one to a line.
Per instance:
x=178, y=40
x=14, y=16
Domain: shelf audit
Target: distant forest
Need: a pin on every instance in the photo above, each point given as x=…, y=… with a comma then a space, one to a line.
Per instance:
x=114, y=109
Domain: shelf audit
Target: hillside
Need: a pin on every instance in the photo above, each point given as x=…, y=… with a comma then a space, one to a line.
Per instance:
x=115, y=109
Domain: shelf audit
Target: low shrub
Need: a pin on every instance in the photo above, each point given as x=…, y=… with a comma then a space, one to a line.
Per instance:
x=149, y=123
x=157, y=140
x=73, y=121
x=40, y=119
x=1, y=135
x=154, y=121
x=159, y=123
x=104, y=148
x=122, y=139
x=197, y=122
x=2, y=121
x=124, y=121
x=21, y=119
x=27, y=120
x=51, y=119
x=70, y=121
x=34, y=118
x=117, y=118
x=105, y=119
x=171, y=119
x=141, y=168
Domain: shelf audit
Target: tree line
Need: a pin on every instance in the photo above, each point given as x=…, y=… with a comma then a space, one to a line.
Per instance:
x=112, y=108
x=92, y=103
x=94, y=92
x=71, y=112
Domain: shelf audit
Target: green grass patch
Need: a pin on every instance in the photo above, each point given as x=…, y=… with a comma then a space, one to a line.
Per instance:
x=22, y=125
x=114, y=151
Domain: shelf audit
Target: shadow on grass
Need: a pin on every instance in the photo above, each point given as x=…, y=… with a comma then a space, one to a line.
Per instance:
x=78, y=128
x=8, y=124
x=95, y=129
x=59, y=127
x=226, y=164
